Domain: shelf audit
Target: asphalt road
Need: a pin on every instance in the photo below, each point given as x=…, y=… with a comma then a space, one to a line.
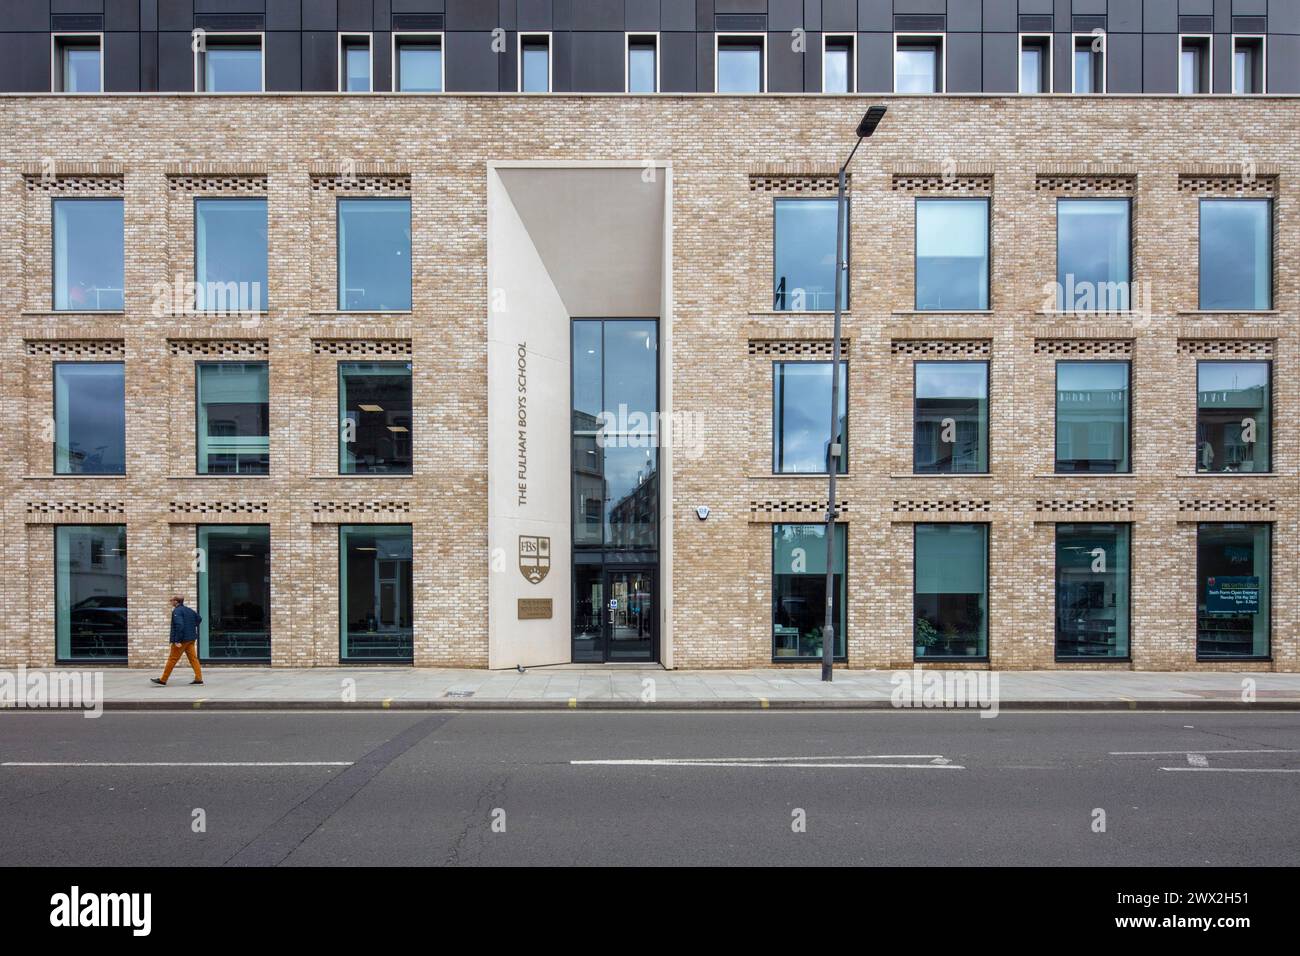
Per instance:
x=879, y=788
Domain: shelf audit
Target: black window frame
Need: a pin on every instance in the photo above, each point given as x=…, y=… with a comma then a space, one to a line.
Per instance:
x=988, y=402
x=1128, y=422
x=1272, y=250
x=1196, y=627
x=772, y=575
x=1056, y=614
x=988, y=599
x=916, y=253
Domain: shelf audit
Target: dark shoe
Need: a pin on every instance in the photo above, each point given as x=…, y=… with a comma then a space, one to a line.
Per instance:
x=155, y=680
x=196, y=682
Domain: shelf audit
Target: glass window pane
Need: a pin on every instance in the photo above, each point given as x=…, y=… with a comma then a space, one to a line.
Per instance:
x=375, y=418
x=1087, y=68
x=90, y=592
x=632, y=494
x=374, y=255
x=88, y=255
x=419, y=66
x=1092, y=591
x=230, y=254
x=376, y=603
x=836, y=68
x=641, y=67
x=950, y=427
x=916, y=67
x=950, y=590
x=1092, y=255
x=631, y=375
x=232, y=67
x=740, y=67
x=234, y=592
x=1233, y=590
x=799, y=591
x=801, y=395
x=89, y=418
x=1092, y=416
x=80, y=67
x=536, y=67
x=233, y=418
x=1236, y=254
x=952, y=254
x=1033, y=67
x=804, y=256
x=1233, y=416
x=356, y=66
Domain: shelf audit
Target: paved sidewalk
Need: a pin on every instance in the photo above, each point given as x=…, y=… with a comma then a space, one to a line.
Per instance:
x=621, y=687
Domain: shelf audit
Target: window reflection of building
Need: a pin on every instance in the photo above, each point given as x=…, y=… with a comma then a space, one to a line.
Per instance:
x=632, y=517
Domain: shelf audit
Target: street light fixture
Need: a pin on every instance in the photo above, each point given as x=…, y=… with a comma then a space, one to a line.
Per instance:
x=870, y=120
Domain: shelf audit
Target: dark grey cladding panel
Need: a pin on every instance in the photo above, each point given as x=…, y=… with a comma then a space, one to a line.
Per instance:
x=471, y=15
x=320, y=14
x=704, y=80
x=677, y=15
x=600, y=15
x=1160, y=63
x=1001, y=61
x=875, y=62
x=1124, y=63
x=175, y=15
x=287, y=14
x=23, y=68
x=123, y=15
x=1124, y=16
x=473, y=67
x=381, y=60
x=597, y=61
x=1061, y=61
x=641, y=15
x=320, y=60
x=1160, y=16
x=839, y=16
x=964, y=62
x=283, y=60
x=229, y=21
x=785, y=15
x=74, y=22
x=148, y=61
x=740, y=6
x=1035, y=23
x=741, y=22
x=122, y=62
x=175, y=62
x=677, y=62
x=784, y=66
x=999, y=16
x=1283, y=57
x=965, y=18
x=537, y=15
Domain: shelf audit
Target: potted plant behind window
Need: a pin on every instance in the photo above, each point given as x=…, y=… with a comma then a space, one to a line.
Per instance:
x=925, y=636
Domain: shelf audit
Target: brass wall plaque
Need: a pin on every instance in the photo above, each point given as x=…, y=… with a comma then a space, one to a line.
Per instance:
x=535, y=609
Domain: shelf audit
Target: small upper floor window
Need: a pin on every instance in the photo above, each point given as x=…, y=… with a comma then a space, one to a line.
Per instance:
x=952, y=254
x=88, y=255
x=354, y=63
x=1236, y=254
x=417, y=63
x=534, y=63
x=1233, y=416
x=1090, y=62
x=1248, y=64
x=230, y=251
x=89, y=418
x=642, y=63
x=837, y=63
x=740, y=63
x=228, y=63
x=1036, y=63
x=78, y=63
x=804, y=256
x=374, y=258
x=1194, y=64
x=918, y=63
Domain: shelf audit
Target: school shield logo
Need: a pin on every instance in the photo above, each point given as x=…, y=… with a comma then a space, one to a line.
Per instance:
x=534, y=557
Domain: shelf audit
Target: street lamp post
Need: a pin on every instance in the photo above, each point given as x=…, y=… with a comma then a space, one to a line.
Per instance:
x=865, y=128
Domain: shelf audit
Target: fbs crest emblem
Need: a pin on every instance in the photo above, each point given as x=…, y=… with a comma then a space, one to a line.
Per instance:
x=534, y=557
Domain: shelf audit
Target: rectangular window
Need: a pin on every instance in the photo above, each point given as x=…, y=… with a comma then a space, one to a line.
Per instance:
x=375, y=418
x=354, y=63
x=1233, y=591
x=229, y=63
x=374, y=255
x=89, y=418
x=376, y=602
x=1248, y=65
x=950, y=418
x=1093, y=255
x=90, y=593
x=88, y=255
x=950, y=590
x=837, y=63
x=534, y=63
x=1233, y=416
x=78, y=63
x=1236, y=254
x=801, y=396
x=804, y=256
x=1092, y=417
x=918, y=63
x=1089, y=63
x=952, y=255
x=799, y=591
x=1035, y=63
x=234, y=592
x=417, y=62
x=642, y=63
x=234, y=436
x=740, y=65
x=230, y=252
x=1092, y=591
x=1194, y=64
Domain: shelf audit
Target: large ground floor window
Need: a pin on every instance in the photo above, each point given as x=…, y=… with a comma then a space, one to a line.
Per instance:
x=90, y=592
x=799, y=591
x=1092, y=591
x=951, y=591
x=375, y=593
x=234, y=592
x=1233, y=590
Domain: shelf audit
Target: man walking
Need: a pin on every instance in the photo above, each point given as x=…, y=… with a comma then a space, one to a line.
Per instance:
x=184, y=637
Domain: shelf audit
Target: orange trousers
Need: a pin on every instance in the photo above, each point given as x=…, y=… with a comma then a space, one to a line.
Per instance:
x=188, y=649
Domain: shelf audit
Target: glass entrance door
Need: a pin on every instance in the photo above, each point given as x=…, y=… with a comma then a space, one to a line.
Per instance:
x=629, y=615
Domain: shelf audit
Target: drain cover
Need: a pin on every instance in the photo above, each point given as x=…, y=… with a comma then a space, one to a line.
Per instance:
x=460, y=693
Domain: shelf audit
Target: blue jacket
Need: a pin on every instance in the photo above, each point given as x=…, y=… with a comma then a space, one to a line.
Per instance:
x=185, y=624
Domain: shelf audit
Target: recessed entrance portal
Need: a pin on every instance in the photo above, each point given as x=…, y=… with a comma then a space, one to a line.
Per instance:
x=614, y=615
